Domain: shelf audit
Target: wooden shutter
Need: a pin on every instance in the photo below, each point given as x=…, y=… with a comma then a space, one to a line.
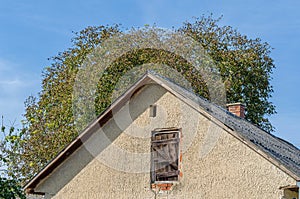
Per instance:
x=165, y=155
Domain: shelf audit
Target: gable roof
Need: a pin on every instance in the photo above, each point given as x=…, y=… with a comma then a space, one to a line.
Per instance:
x=279, y=152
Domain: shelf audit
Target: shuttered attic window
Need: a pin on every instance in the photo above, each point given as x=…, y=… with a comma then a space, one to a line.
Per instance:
x=290, y=191
x=165, y=154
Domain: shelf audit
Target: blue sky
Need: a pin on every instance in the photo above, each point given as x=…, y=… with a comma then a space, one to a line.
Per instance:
x=32, y=31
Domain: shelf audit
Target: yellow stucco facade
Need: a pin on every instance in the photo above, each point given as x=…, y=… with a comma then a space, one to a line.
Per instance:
x=215, y=164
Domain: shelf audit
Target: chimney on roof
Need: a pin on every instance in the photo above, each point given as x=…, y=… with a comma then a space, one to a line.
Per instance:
x=237, y=109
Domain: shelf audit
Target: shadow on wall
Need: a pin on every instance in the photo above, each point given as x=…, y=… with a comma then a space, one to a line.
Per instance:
x=102, y=135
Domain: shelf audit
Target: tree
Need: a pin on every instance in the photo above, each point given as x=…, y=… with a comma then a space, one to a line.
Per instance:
x=244, y=65
x=10, y=189
x=10, y=186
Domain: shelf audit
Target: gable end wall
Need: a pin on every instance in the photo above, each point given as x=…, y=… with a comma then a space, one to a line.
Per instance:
x=214, y=163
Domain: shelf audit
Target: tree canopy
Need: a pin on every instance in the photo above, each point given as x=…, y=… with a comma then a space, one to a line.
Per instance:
x=10, y=186
x=244, y=65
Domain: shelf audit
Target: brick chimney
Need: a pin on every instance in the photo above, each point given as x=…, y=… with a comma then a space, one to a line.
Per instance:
x=237, y=109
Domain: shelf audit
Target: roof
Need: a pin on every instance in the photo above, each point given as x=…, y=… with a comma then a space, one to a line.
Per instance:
x=278, y=149
x=279, y=152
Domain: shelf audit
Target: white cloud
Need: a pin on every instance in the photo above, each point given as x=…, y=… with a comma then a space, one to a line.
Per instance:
x=11, y=78
x=16, y=84
x=13, y=82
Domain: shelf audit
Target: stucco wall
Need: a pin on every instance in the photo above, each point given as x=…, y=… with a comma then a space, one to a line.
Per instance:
x=214, y=165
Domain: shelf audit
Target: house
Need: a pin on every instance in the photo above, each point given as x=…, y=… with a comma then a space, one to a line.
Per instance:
x=159, y=140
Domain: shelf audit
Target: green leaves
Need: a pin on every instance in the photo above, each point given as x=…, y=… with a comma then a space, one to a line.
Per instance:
x=245, y=65
x=10, y=189
x=10, y=186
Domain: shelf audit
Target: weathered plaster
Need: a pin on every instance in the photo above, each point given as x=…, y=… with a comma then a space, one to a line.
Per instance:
x=215, y=164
